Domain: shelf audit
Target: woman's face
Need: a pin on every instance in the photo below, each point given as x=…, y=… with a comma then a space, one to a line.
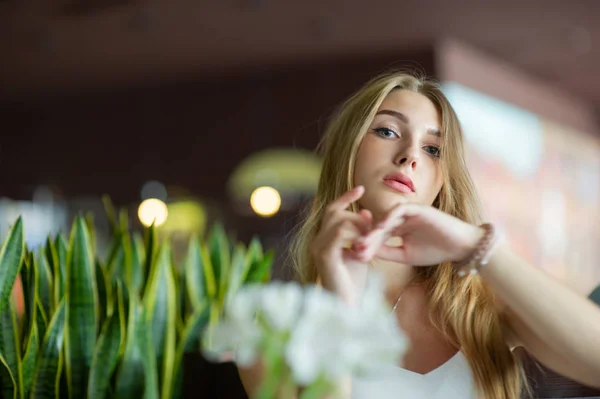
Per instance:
x=398, y=159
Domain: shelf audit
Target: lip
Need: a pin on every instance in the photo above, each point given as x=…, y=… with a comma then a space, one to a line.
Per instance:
x=399, y=182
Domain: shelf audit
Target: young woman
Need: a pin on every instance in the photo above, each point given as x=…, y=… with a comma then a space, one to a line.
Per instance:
x=395, y=196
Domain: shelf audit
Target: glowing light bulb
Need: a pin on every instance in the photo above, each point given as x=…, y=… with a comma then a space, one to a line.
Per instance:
x=152, y=210
x=265, y=201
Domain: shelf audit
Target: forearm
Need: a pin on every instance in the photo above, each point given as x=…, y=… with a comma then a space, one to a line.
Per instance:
x=557, y=315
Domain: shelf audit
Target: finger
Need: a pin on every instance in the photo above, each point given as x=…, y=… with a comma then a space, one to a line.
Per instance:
x=367, y=246
x=337, y=217
x=391, y=253
x=336, y=237
x=345, y=231
x=397, y=215
x=344, y=201
x=368, y=217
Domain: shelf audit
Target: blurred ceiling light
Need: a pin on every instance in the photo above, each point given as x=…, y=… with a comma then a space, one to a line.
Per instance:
x=265, y=201
x=188, y=216
x=153, y=210
x=291, y=170
x=154, y=189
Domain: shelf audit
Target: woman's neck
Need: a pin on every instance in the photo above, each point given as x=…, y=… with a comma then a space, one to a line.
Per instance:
x=397, y=276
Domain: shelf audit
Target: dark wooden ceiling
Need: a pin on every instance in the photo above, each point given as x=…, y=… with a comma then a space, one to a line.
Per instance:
x=59, y=46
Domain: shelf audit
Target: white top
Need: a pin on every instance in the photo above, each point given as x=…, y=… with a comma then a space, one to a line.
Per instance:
x=451, y=380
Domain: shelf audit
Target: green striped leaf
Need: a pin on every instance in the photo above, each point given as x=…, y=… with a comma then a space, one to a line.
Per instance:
x=137, y=262
x=104, y=290
x=123, y=300
x=53, y=264
x=129, y=382
x=11, y=255
x=218, y=246
x=113, y=260
x=106, y=356
x=180, y=297
x=260, y=271
x=215, y=313
x=189, y=342
x=159, y=298
x=10, y=351
x=151, y=245
x=60, y=271
x=30, y=359
x=236, y=273
x=81, y=303
x=160, y=304
x=40, y=317
x=46, y=379
x=29, y=286
x=89, y=222
x=9, y=385
x=126, y=259
x=253, y=255
x=199, y=274
x=44, y=286
x=168, y=359
x=144, y=336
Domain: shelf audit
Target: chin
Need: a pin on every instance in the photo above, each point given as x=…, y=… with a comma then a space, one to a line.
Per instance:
x=381, y=206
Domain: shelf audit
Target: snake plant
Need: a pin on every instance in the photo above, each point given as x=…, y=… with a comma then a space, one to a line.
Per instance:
x=114, y=326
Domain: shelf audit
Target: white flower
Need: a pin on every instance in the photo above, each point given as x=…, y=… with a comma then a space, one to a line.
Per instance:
x=327, y=337
x=238, y=330
x=244, y=304
x=280, y=305
x=239, y=336
x=333, y=339
x=324, y=341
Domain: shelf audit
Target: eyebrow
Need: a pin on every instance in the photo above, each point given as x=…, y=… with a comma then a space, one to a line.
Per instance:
x=403, y=118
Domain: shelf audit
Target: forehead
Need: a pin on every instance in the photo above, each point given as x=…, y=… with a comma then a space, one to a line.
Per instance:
x=418, y=109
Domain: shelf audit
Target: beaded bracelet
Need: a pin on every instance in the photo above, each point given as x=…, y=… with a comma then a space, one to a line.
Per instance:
x=482, y=253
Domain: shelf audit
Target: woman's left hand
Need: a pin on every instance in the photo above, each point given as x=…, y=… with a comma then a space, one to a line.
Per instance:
x=428, y=237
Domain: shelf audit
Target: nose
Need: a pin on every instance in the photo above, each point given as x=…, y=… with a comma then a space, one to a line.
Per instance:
x=408, y=155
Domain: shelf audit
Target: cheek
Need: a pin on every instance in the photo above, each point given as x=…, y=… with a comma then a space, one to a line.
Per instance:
x=437, y=182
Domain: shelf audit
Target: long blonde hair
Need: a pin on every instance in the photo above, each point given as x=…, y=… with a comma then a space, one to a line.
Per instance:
x=462, y=308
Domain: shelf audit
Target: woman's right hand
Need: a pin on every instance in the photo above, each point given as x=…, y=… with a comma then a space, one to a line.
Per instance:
x=338, y=266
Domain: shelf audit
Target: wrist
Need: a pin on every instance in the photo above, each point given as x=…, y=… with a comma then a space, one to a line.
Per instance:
x=486, y=239
x=469, y=244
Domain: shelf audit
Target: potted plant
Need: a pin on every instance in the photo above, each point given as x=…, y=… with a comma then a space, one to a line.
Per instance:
x=118, y=325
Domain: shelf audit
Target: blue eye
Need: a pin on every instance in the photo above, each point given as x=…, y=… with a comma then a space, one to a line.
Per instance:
x=433, y=151
x=385, y=132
